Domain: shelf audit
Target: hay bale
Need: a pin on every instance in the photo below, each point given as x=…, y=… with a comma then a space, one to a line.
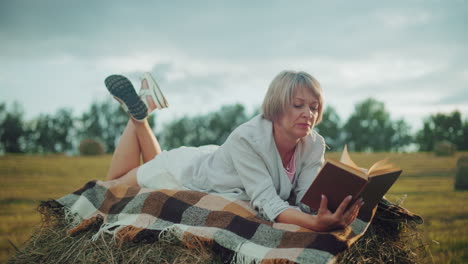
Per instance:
x=91, y=147
x=390, y=238
x=51, y=244
x=461, y=177
x=444, y=148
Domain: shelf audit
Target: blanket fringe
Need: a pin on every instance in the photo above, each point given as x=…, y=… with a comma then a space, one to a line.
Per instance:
x=277, y=261
x=175, y=232
x=105, y=228
x=239, y=258
x=126, y=234
x=193, y=241
x=171, y=233
x=71, y=218
x=86, y=224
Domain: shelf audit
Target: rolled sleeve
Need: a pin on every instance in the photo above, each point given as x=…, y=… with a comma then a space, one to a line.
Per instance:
x=270, y=209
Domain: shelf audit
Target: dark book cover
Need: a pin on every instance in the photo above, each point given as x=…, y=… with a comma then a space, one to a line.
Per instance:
x=376, y=188
x=335, y=183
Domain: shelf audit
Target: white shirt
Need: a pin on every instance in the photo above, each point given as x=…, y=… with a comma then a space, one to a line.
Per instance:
x=248, y=167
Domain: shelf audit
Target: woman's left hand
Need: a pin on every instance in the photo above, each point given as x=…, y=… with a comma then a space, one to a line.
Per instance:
x=324, y=220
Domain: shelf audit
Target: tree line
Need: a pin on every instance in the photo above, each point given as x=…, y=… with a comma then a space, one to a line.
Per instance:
x=368, y=128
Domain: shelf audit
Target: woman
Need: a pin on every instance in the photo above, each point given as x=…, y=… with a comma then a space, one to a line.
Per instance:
x=268, y=160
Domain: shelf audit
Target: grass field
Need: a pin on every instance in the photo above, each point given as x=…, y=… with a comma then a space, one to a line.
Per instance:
x=427, y=183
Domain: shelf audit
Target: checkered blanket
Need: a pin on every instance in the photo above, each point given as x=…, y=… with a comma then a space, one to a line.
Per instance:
x=195, y=218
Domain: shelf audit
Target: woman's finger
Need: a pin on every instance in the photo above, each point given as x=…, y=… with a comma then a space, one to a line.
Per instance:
x=354, y=211
x=354, y=216
x=341, y=209
x=323, y=205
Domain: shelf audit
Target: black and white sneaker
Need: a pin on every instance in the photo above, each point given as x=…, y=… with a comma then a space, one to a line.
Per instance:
x=122, y=90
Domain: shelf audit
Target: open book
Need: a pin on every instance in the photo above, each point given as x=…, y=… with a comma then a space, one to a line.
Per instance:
x=338, y=179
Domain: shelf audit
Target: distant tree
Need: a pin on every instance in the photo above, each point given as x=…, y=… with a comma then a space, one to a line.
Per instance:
x=11, y=129
x=104, y=121
x=92, y=122
x=440, y=127
x=212, y=128
x=464, y=143
x=63, y=130
x=51, y=133
x=39, y=132
x=330, y=128
x=2, y=117
x=402, y=136
x=224, y=121
x=370, y=128
x=176, y=133
x=2, y=111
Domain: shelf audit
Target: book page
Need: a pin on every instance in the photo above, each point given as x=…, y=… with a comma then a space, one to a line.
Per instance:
x=346, y=159
x=382, y=165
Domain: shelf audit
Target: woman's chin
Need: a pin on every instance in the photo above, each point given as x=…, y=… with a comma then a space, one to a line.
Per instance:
x=303, y=133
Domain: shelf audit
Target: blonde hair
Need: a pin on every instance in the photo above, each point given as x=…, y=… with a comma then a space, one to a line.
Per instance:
x=281, y=91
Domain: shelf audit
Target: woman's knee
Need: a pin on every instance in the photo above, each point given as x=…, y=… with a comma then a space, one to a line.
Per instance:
x=130, y=178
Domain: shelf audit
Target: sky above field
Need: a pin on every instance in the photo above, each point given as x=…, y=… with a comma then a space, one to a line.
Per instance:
x=411, y=55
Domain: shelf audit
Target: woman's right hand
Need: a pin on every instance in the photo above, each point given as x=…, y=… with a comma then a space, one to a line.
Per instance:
x=341, y=218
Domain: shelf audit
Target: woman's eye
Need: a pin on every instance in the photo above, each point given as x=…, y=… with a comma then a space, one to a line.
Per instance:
x=297, y=106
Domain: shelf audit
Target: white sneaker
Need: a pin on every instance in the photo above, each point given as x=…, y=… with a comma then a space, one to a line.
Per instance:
x=154, y=91
x=122, y=90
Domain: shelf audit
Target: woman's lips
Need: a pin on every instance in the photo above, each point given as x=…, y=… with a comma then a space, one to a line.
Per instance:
x=303, y=125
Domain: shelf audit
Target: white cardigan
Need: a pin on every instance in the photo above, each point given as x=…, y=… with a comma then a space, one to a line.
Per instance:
x=248, y=167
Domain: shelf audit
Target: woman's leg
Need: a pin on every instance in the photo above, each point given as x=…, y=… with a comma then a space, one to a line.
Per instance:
x=147, y=141
x=137, y=138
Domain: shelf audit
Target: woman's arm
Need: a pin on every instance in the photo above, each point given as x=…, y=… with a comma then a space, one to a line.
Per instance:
x=324, y=220
x=258, y=183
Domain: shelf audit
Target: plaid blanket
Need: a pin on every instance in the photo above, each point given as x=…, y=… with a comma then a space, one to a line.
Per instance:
x=201, y=219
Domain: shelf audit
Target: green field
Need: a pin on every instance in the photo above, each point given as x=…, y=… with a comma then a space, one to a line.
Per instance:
x=427, y=183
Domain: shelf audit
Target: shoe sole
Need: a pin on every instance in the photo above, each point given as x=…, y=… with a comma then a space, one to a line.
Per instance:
x=122, y=89
x=153, y=85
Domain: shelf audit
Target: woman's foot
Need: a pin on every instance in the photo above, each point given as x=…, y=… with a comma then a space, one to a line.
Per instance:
x=151, y=94
x=122, y=90
x=147, y=99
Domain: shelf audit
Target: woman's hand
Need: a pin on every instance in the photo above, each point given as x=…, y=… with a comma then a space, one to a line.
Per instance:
x=326, y=220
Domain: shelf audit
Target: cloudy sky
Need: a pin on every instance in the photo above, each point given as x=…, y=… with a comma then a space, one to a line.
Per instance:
x=411, y=55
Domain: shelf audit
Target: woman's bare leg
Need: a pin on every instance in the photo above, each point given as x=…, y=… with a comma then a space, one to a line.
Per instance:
x=126, y=155
x=147, y=141
x=130, y=178
x=137, y=139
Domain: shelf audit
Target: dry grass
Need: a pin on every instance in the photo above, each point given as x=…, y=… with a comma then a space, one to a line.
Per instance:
x=393, y=237
x=26, y=180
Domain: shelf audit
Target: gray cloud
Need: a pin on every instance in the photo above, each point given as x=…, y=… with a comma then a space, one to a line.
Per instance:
x=233, y=30
x=459, y=96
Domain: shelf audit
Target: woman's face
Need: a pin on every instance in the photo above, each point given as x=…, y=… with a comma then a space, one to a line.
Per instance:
x=300, y=117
